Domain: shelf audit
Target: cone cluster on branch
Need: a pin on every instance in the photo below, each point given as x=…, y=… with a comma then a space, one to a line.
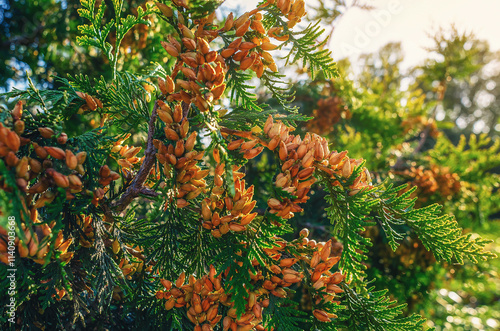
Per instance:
x=133, y=262
x=300, y=159
x=36, y=175
x=203, y=296
x=178, y=156
x=37, y=244
x=222, y=213
x=199, y=73
x=329, y=112
x=125, y=155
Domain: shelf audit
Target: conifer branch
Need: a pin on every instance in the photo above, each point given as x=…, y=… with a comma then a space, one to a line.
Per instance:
x=137, y=188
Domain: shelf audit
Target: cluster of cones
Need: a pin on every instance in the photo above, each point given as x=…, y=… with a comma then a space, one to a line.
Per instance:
x=39, y=168
x=329, y=112
x=41, y=164
x=125, y=155
x=179, y=154
x=300, y=159
x=202, y=297
x=36, y=243
x=203, y=70
x=223, y=214
x=132, y=264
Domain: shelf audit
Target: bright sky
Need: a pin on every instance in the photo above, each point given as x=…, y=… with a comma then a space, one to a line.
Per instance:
x=407, y=21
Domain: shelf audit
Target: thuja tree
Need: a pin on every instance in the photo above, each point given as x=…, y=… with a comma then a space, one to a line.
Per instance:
x=142, y=217
x=415, y=149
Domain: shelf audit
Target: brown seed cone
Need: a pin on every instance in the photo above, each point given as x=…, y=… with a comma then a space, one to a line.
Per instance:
x=228, y=52
x=104, y=171
x=346, y=169
x=35, y=166
x=19, y=127
x=243, y=28
x=170, y=49
x=189, y=43
x=335, y=158
x=74, y=180
x=184, y=128
x=169, y=304
x=46, y=133
x=60, y=180
x=81, y=157
x=162, y=86
x=22, y=167
x=71, y=160
x=171, y=134
x=228, y=25
x=247, y=62
x=190, y=142
x=62, y=139
x=12, y=141
x=165, y=10
x=321, y=315
x=17, y=112
x=55, y=152
x=217, y=91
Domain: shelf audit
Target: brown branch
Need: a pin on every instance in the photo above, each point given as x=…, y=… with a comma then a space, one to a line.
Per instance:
x=136, y=187
x=185, y=109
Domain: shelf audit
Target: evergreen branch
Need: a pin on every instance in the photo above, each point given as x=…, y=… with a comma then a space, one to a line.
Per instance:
x=311, y=53
x=272, y=81
x=282, y=314
x=95, y=34
x=127, y=100
x=375, y=311
x=241, y=93
x=244, y=120
x=439, y=233
x=350, y=215
x=389, y=221
x=137, y=188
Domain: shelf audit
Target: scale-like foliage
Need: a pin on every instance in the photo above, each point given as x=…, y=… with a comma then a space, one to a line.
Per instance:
x=305, y=49
x=373, y=310
x=439, y=233
x=97, y=34
x=284, y=315
x=177, y=237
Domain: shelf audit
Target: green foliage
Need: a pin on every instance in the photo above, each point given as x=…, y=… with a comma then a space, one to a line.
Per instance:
x=350, y=215
x=439, y=233
x=304, y=48
x=375, y=311
x=474, y=162
x=241, y=91
x=273, y=82
x=96, y=33
x=282, y=314
x=245, y=120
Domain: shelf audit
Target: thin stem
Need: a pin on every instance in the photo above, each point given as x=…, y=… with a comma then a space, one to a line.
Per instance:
x=137, y=186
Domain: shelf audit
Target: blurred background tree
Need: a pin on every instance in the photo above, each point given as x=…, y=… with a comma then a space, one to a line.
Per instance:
x=38, y=39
